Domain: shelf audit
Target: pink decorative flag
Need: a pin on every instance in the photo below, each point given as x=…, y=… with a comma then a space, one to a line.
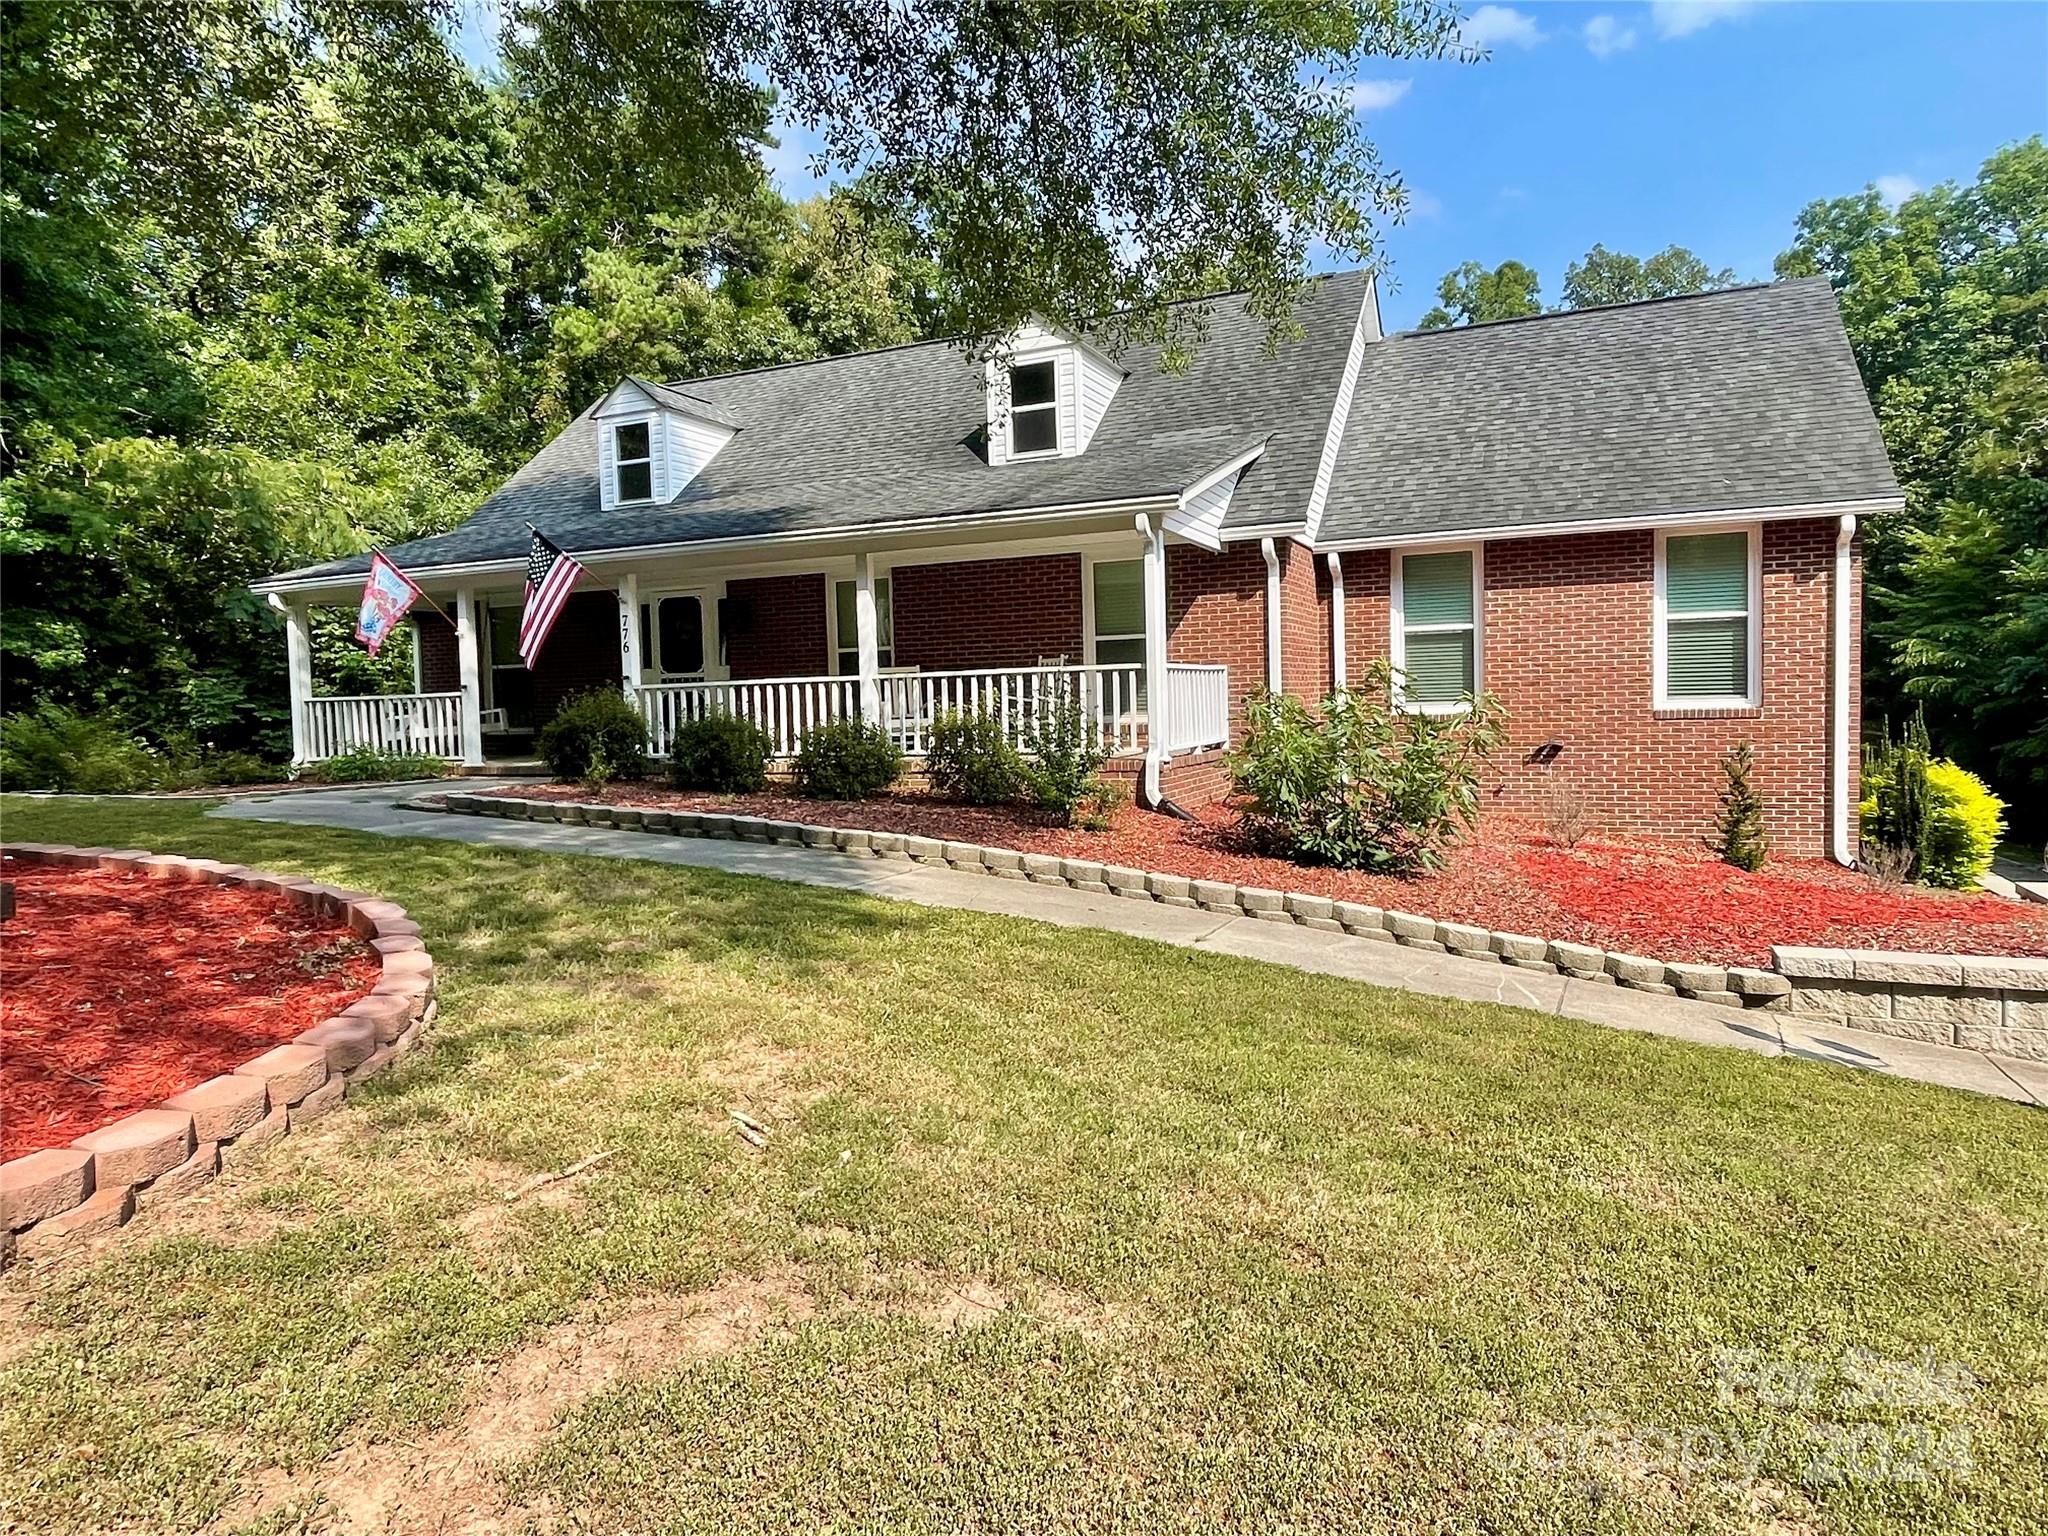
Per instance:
x=386, y=596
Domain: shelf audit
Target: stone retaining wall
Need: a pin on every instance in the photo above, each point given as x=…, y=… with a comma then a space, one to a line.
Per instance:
x=1982, y=1002
x=53, y=1199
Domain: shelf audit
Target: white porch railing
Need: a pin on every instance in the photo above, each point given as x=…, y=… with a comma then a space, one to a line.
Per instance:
x=784, y=707
x=1196, y=710
x=1018, y=697
x=429, y=723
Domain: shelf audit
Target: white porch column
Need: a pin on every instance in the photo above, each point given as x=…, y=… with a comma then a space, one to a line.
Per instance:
x=471, y=674
x=1155, y=654
x=298, y=651
x=630, y=659
x=867, y=634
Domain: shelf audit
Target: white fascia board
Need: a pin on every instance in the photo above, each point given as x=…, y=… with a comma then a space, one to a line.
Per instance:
x=629, y=552
x=1232, y=467
x=1646, y=521
x=1364, y=333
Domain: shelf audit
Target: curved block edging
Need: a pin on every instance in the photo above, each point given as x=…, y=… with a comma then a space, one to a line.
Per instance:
x=1731, y=986
x=61, y=1196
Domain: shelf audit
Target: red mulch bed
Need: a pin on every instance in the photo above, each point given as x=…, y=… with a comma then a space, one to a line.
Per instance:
x=1663, y=899
x=117, y=991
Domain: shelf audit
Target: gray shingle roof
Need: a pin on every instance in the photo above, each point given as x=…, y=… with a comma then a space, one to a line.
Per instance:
x=1747, y=398
x=891, y=436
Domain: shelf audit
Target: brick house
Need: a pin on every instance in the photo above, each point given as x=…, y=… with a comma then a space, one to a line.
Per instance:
x=1636, y=526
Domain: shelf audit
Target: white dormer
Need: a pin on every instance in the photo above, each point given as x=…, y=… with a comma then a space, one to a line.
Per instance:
x=653, y=440
x=1047, y=393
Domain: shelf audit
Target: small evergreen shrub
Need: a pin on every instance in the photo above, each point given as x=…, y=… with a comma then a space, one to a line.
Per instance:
x=1358, y=783
x=594, y=738
x=968, y=759
x=847, y=760
x=1896, y=795
x=366, y=765
x=1065, y=758
x=721, y=753
x=55, y=748
x=1741, y=824
x=1961, y=824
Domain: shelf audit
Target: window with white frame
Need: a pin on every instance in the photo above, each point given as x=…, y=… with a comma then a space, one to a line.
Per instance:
x=1436, y=628
x=1706, y=640
x=672, y=635
x=1118, y=594
x=845, y=623
x=1034, y=408
x=633, y=461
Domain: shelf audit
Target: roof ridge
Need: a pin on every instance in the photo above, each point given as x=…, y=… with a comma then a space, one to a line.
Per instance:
x=1606, y=309
x=949, y=340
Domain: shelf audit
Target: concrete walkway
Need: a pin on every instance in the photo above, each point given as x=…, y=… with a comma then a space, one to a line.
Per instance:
x=1335, y=954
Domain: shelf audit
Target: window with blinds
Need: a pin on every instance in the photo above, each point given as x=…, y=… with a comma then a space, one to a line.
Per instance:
x=1708, y=621
x=1119, y=592
x=1438, y=628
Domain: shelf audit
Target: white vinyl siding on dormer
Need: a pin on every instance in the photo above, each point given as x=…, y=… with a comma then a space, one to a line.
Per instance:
x=679, y=445
x=1085, y=383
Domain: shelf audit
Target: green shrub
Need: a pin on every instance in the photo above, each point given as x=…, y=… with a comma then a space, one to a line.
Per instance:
x=1742, y=812
x=1065, y=757
x=847, y=760
x=1359, y=783
x=1098, y=808
x=594, y=738
x=364, y=765
x=59, y=749
x=1895, y=788
x=1962, y=824
x=968, y=758
x=238, y=768
x=722, y=753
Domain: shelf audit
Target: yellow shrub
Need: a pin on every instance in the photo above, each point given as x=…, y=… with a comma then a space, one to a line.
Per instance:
x=1964, y=824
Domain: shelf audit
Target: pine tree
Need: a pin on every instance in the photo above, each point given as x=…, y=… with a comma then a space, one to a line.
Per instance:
x=1742, y=812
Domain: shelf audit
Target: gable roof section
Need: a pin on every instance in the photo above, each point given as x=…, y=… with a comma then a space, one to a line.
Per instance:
x=1742, y=400
x=891, y=437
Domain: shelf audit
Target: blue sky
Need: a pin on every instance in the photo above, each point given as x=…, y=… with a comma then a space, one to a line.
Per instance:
x=1704, y=123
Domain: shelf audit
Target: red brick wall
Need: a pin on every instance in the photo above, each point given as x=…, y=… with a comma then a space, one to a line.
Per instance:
x=785, y=633
x=440, y=667
x=1304, y=622
x=1567, y=647
x=1216, y=613
x=581, y=653
x=987, y=613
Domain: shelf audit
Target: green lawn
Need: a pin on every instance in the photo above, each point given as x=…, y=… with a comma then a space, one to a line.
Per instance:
x=1052, y=1231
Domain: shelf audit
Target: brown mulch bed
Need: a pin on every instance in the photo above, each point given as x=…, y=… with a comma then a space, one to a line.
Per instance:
x=117, y=991
x=1666, y=899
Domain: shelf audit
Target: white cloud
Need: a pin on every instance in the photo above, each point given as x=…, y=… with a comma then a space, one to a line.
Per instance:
x=1496, y=26
x=1421, y=205
x=1895, y=189
x=1682, y=18
x=1605, y=36
x=1376, y=95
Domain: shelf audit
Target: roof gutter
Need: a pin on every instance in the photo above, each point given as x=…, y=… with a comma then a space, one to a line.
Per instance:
x=1867, y=507
x=613, y=554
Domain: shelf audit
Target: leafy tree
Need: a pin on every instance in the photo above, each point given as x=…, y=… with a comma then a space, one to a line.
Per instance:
x=1946, y=302
x=1472, y=295
x=1613, y=277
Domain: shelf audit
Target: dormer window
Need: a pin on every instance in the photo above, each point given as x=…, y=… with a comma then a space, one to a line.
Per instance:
x=1034, y=408
x=633, y=460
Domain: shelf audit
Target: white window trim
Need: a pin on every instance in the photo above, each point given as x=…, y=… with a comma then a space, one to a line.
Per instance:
x=652, y=425
x=1010, y=408
x=838, y=651
x=1088, y=631
x=1397, y=646
x=650, y=602
x=1661, y=698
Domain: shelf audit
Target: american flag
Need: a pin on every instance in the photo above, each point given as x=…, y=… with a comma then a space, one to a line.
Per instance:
x=550, y=578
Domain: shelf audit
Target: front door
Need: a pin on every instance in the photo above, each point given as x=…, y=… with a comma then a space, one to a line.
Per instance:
x=675, y=637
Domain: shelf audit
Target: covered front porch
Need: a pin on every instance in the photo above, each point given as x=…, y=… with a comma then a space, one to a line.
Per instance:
x=899, y=637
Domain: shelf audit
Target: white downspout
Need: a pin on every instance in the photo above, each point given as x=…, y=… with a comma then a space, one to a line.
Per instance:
x=1272, y=554
x=1158, y=727
x=1840, y=845
x=1338, y=677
